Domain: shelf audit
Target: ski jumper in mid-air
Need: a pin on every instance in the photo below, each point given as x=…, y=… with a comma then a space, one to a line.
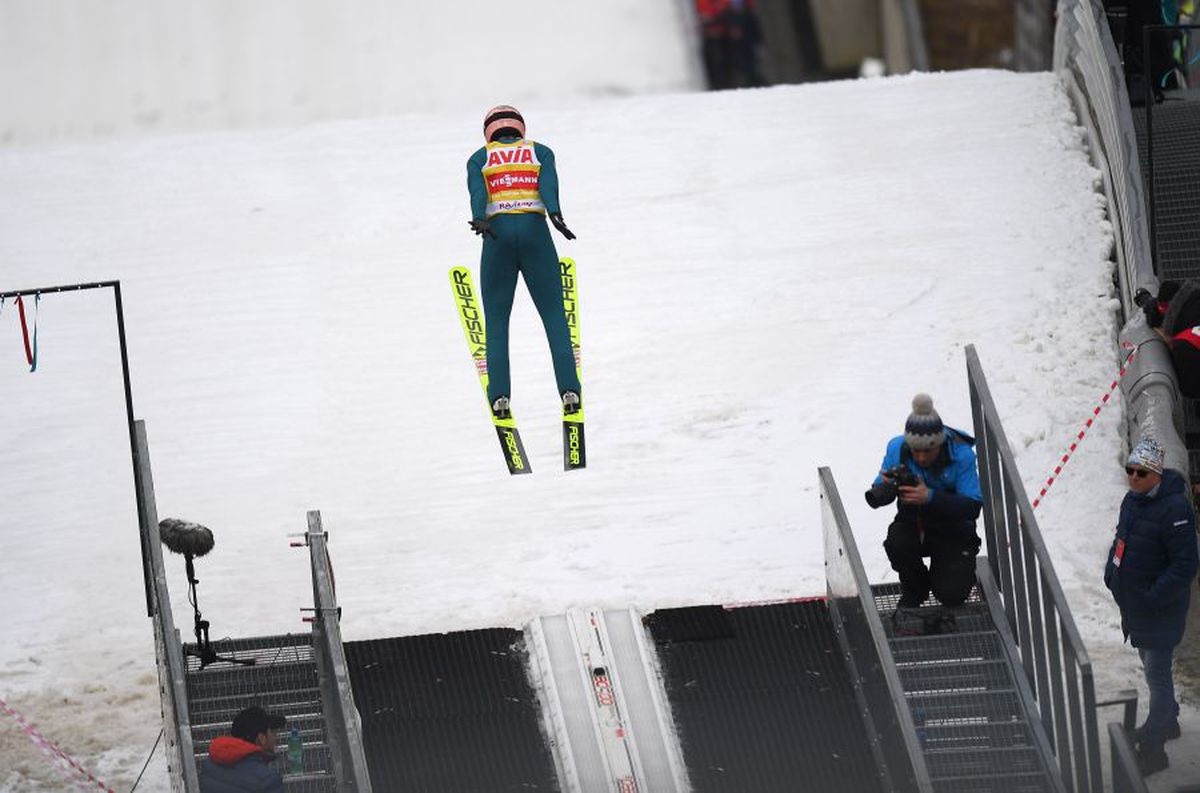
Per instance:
x=514, y=186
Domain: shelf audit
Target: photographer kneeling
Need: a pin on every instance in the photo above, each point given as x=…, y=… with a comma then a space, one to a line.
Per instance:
x=931, y=470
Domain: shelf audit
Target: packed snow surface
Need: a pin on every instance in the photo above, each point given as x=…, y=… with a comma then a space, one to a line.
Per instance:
x=766, y=279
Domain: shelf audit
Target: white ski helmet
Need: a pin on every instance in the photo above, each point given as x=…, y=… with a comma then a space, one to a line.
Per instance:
x=503, y=119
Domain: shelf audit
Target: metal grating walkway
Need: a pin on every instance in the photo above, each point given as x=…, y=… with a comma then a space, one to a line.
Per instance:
x=1176, y=197
x=762, y=699
x=966, y=706
x=283, y=680
x=450, y=713
x=1176, y=127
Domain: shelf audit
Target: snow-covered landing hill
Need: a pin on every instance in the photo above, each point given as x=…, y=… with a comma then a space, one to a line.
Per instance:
x=767, y=277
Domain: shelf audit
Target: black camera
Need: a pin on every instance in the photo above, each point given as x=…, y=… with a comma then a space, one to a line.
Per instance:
x=886, y=491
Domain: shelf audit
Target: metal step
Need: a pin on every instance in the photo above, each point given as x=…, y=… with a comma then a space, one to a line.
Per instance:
x=958, y=647
x=978, y=735
x=312, y=731
x=960, y=676
x=981, y=762
x=290, y=704
x=310, y=783
x=216, y=681
x=995, y=783
x=263, y=649
x=985, y=707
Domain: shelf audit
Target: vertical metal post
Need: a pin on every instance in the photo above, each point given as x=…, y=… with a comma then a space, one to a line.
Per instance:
x=1017, y=540
x=985, y=483
x=133, y=447
x=1057, y=733
x=1079, y=753
x=1040, y=683
x=1148, y=78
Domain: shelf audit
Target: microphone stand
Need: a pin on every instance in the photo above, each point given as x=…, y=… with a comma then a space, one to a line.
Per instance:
x=204, y=650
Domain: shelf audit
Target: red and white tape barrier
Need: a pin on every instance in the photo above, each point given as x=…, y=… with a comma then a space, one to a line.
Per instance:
x=1088, y=424
x=56, y=755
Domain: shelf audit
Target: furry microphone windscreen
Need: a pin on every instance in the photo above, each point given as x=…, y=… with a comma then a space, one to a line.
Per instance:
x=189, y=539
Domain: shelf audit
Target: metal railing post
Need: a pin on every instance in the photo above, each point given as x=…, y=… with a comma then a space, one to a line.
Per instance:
x=1061, y=683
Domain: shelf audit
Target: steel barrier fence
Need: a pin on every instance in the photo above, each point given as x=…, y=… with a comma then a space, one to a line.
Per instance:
x=1052, y=651
x=877, y=685
x=1085, y=57
x=342, y=723
x=168, y=647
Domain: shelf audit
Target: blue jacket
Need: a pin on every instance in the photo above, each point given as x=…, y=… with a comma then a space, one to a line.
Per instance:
x=1152, y=583
x=953, y=481
x=237, y=766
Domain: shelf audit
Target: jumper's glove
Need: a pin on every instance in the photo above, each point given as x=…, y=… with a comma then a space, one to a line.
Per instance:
x=556, y=219
x=481, y=227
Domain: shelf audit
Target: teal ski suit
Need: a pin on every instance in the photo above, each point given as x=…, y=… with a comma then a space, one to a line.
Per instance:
x=514, y=199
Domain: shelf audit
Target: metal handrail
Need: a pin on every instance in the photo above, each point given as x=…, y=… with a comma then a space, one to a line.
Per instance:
x=1052, y=651
x=1126, y=776
x=172, y=671
x=343, y=727
x=864, y=645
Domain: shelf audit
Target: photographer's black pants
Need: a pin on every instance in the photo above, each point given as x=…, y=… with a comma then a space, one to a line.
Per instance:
x=951, y=571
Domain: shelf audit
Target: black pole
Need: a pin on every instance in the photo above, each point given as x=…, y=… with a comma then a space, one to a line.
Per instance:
x=47, y=290
x=133, y=450
x=143, y=530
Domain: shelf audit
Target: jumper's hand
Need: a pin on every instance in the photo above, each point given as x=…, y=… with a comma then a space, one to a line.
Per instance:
x=559, y=224
x=917, y=494
x=481, y=227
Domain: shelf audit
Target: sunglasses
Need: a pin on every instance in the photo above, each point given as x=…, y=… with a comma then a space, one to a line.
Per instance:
x=1140, y=473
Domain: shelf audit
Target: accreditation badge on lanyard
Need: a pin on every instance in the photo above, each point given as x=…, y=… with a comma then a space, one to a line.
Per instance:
x=1118, y=552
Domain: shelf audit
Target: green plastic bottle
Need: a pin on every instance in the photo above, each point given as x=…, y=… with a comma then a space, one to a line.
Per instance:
x=295, y=752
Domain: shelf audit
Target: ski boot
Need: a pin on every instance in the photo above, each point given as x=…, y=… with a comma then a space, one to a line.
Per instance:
x=571, y=402
x=501, y=408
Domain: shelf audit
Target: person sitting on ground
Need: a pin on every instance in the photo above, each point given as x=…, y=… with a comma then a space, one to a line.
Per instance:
x=239, y=762
x=1150, y=568
x=1175, y=316
x=931, y=469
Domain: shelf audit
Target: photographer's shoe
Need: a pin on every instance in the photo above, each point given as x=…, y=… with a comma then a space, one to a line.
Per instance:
x=907, y=622
x=942, y=622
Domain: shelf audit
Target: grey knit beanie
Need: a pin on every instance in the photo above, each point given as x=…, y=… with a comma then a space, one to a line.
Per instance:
x=924, y=429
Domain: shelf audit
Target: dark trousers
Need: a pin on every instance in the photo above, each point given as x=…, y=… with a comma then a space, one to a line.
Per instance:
x=951, y=571
x=522, y=245
x=1164, y=709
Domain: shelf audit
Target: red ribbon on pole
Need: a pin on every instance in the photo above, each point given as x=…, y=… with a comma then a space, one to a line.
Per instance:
x=30, y=351
x=25, y=331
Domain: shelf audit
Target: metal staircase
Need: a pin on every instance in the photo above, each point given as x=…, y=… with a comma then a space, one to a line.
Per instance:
x=283, y=680
x=971, y=713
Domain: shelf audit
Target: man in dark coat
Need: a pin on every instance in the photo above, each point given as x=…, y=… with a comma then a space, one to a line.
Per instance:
x=239, y=762
x=1150, y=569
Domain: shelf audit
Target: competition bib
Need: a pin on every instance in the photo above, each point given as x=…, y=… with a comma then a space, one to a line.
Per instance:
x=511, y=175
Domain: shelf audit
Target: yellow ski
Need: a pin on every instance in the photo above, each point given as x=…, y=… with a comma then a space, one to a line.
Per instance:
x=574, y=448
x=471, y=315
